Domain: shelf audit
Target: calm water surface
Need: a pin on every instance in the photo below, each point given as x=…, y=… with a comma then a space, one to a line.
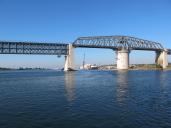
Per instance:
x=85, y=99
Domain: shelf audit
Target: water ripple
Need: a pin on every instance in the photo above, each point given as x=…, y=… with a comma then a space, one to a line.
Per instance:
x=85, y=99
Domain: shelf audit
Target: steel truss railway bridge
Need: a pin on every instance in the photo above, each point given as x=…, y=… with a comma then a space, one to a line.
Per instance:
x=123, y=45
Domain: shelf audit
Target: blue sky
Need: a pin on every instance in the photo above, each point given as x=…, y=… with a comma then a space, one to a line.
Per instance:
x=65, y=20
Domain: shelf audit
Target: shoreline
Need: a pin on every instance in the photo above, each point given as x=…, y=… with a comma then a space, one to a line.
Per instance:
x=100, y=68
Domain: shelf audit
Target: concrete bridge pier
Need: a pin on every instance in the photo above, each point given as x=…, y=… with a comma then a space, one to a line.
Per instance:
x=162, y=58
x=69, y=59
x=123, y=59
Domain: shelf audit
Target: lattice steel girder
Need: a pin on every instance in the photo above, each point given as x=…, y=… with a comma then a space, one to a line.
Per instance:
x=7, y=47
x=117, y=42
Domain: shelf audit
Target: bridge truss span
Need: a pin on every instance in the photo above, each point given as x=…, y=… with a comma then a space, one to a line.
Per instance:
x=7, y=47
x=118, y=42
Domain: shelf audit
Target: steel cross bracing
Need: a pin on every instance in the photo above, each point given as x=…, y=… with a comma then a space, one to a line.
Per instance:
x=118, y=42
x=7, y=47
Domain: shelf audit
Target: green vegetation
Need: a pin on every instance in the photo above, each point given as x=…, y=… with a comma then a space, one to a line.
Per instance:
x=136, y=67
x=169, y=66
x=148, y=67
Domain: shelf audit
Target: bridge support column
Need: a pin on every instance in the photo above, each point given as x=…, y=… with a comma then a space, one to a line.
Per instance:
x=69, y=62
x=162, y=58
x=122, y=59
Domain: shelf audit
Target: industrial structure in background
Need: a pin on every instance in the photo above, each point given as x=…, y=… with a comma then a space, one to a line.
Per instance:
x=88, y=66
x=123, y=45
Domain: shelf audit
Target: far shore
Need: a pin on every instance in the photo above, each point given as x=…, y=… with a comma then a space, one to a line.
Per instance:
x=7, y=69
x=103, y=67
x=148, y=67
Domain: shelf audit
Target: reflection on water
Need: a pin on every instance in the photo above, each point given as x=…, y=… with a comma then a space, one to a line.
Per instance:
x=85, y=99
x=162, y=78
x=70, y=85
x=122, y=86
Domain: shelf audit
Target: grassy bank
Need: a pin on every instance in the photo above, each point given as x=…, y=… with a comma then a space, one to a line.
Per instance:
x=149, y=67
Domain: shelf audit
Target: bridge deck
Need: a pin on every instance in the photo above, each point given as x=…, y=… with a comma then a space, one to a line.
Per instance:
x=7, y=47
